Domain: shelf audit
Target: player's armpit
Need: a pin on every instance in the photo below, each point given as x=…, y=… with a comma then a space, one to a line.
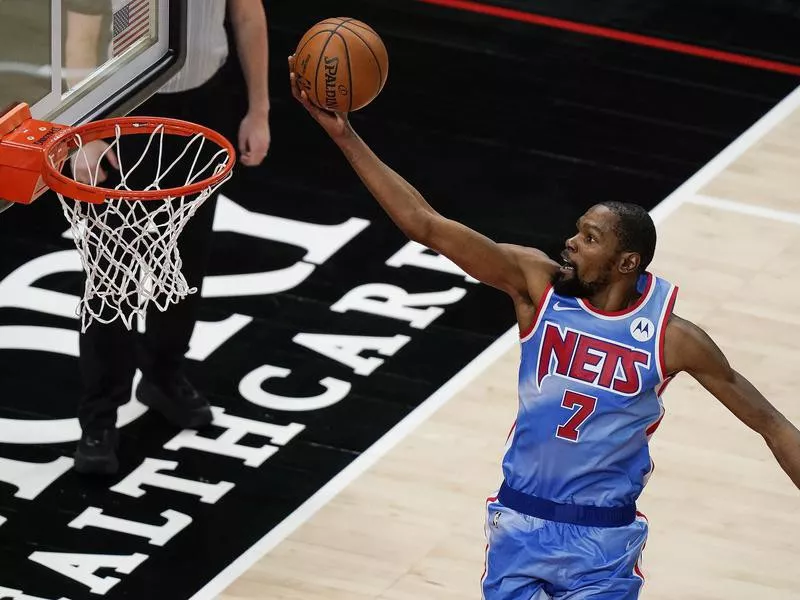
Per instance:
x=688, y=348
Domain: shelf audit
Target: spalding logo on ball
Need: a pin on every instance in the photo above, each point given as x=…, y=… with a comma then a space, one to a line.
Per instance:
x=342, y=64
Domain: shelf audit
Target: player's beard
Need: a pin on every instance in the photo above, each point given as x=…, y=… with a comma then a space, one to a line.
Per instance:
x=573, y=286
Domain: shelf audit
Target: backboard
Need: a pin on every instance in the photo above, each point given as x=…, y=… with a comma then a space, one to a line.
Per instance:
x=75, y=61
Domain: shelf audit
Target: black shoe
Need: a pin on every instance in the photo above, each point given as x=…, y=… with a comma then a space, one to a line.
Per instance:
x=178, y=402
x=97, y=453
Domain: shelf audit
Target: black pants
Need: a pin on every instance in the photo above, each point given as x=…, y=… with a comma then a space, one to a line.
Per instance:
x=110, y=354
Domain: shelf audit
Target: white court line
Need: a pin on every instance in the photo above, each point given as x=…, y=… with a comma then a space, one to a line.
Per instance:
x=502, y=345
x=745, y=209
x=725, y=158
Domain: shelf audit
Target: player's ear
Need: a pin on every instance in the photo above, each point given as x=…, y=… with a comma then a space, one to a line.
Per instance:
x=629, y=262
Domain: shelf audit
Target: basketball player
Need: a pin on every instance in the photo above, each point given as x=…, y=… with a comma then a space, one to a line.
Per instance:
x=109, y=354
x=599, y=344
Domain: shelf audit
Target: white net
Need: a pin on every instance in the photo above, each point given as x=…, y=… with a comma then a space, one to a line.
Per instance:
x=129, y=248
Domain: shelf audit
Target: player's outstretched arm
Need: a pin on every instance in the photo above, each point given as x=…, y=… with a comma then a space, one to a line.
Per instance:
x=521, y=272
x=688, y=348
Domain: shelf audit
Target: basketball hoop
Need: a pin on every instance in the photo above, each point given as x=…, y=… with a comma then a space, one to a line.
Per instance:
x=126, y=235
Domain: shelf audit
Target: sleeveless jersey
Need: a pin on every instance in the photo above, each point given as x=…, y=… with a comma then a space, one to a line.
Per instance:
x=589, y=398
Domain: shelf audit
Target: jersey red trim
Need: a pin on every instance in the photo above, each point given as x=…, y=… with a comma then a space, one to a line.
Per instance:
x=661, y=388
x=652, y=429
x=511, y=431
x=626, y=311
x=489, y=500
x=662, y=365
x=538, y=314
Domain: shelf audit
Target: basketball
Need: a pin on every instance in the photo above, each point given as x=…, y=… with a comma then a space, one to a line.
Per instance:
x=341, y=64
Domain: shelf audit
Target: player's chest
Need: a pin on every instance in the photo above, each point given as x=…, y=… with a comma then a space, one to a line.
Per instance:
x=607, y=358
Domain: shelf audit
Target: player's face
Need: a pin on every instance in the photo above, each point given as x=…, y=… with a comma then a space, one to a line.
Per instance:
x=589, y=259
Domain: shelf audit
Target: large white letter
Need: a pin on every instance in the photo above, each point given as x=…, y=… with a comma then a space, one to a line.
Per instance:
x=156, y=535
x=392, y=301
x=31, y=479
x=237, y=428
x=251, y=388
x=17, y=291
x=320, y=242
x=208, y=337
x=256, y=284
x=9, y=594
x=148, y=474
x=81, y=567
x=346, y=348
x=416, y=255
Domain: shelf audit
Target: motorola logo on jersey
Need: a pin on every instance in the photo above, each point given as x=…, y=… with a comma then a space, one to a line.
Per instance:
x=589, y=359
x=642, y=329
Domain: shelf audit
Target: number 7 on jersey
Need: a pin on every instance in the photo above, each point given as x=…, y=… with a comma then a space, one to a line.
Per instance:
x=585, y=407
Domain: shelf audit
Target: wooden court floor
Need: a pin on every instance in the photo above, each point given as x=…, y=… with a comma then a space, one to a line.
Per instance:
x=724, y=518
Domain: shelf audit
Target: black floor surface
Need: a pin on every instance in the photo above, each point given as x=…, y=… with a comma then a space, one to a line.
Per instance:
x=511, y=128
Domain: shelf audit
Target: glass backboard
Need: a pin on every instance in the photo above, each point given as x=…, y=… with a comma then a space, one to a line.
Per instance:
x=75, y=61
x=78, y=60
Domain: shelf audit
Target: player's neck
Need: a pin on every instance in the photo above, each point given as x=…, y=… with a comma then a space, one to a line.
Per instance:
x=615, y=297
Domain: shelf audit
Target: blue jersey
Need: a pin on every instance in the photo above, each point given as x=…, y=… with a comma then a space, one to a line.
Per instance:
x=589, y=398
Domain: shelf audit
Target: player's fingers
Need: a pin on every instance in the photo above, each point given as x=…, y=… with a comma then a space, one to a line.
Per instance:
x=111, y=156
x=293, y=84
x=316, y=112
x=291, y=63
x=255, y=149
x=82, y=174
x=253, y=159
x=244, y=148
x=303, y=98
x=78, y=169
x=244, y=137
x=258, y=146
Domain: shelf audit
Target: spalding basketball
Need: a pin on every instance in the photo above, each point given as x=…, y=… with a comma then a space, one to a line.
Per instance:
x=342, y=64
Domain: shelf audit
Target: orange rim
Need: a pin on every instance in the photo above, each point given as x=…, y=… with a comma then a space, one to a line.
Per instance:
x=62, y=143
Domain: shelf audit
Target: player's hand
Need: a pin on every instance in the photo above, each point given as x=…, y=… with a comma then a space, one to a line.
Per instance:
x=335, y=124
x=254, y=139
x=87, y=161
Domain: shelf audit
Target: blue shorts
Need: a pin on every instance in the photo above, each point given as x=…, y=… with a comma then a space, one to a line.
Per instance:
x=528, y=558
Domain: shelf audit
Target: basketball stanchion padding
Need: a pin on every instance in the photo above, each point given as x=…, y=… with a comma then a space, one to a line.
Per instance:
x=127, y=235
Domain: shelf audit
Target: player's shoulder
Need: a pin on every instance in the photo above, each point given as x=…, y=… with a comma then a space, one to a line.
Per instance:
x=682, y=330
x=528, y=256
x=537, y=267
x=685, y=344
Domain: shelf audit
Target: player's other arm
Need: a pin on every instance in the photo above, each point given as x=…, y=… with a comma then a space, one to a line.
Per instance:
x=688, y=348
x=249, y=22
x=520, y=272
